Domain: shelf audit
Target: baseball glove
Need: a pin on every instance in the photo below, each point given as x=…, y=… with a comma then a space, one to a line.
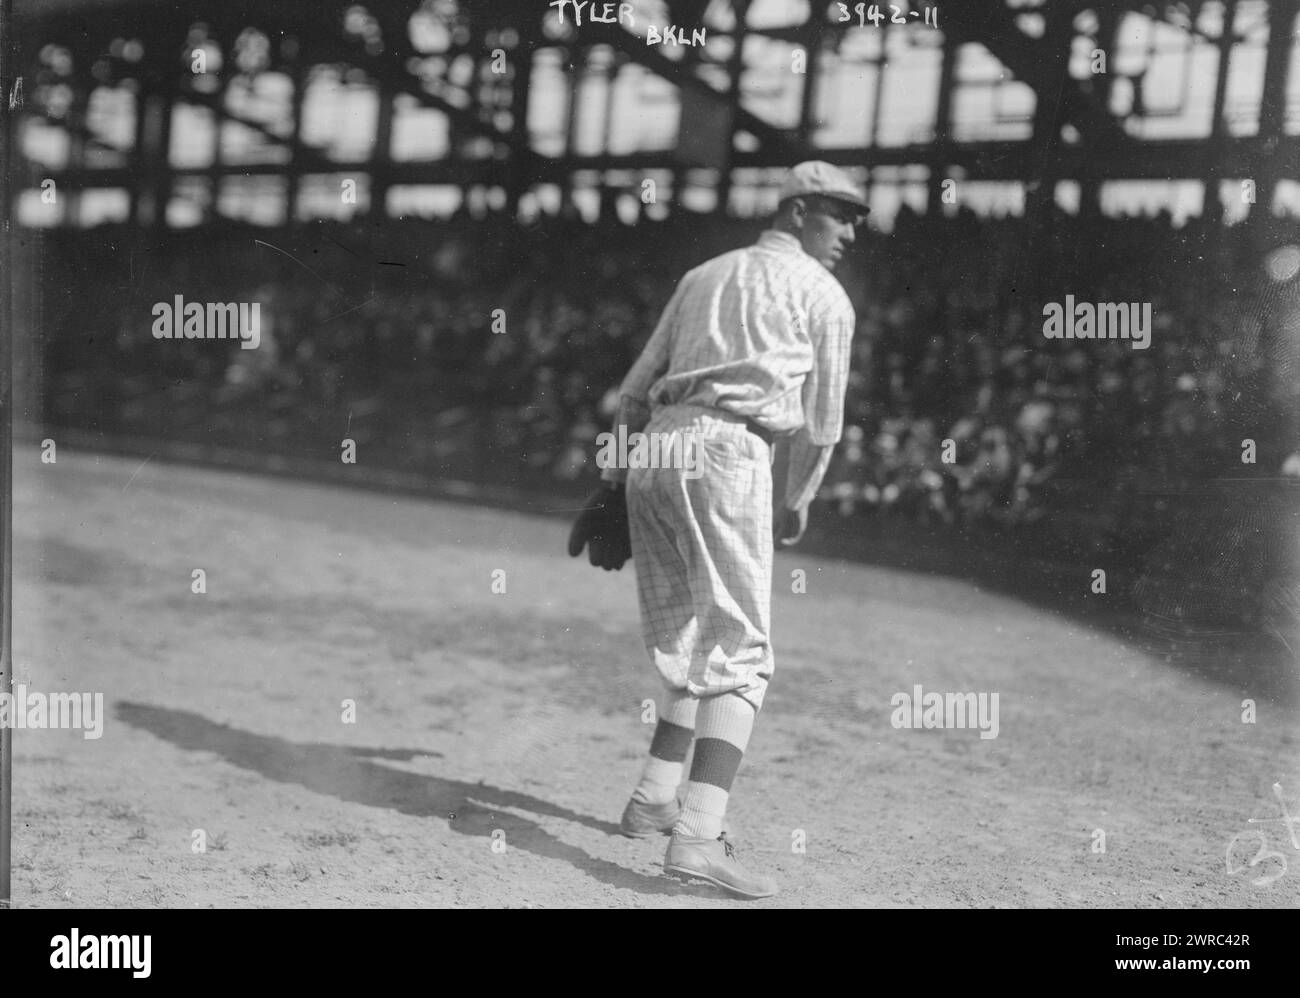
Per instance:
x=602, y=528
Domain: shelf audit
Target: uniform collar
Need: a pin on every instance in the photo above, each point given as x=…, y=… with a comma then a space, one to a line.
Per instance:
x=781, y=242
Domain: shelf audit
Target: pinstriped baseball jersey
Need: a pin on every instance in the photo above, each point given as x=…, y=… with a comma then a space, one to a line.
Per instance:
x=762, y=333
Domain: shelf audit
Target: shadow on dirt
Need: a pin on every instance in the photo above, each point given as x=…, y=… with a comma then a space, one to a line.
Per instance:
x=346, y=773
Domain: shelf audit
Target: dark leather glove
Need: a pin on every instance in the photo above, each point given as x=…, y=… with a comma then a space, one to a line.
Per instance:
x=602, y=528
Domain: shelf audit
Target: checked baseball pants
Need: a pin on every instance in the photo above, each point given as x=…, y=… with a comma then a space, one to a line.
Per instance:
x=702, y=547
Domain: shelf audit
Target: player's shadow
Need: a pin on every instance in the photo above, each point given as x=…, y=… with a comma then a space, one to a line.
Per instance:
x=347, y=773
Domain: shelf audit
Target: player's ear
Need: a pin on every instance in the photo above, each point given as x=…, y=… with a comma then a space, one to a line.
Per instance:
x=798, y=212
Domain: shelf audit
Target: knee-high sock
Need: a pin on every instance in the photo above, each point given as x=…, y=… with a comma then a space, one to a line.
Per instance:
x=668, y=748
x=722, y=729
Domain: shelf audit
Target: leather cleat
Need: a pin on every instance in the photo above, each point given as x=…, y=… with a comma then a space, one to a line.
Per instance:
x=644, y=821
x=714, y=860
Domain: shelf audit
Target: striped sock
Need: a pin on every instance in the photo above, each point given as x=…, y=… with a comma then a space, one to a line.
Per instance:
x=668, y=748
x=721, y=735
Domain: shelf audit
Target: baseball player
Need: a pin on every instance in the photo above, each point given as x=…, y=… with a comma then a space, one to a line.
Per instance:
x=748, y=365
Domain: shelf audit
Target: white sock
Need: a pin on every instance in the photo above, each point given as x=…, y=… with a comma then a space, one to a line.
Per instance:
x=722, y=733
x=703, y=811
x=659, y=782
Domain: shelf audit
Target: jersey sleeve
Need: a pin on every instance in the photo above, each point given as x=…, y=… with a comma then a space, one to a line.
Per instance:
x=831, y=331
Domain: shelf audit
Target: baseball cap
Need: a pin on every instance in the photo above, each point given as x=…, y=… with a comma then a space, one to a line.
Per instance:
x=816, y=177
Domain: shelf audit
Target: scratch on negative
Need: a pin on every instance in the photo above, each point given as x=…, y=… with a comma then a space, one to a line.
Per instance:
x=137, y=471
x=313, y=273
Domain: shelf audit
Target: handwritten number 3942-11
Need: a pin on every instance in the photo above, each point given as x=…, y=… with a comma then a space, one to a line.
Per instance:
x=872, y=13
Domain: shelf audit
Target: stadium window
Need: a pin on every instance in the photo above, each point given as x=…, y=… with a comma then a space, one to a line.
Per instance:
x=629, y=209
x=110, y=115
x=587, y=202
x=909, y=100
x=548, y=100
x=44, y=144
x=257, y=199
x=1182, y=199
x=35, y=213
x=1291, y=124
x=644, y=114
x=986, y=103
x=1245, y=88
x=996, y=199
x=767, y=87
x=338, y=117
x=1286, y=198
x=742, y=200
x=192, y=136
x=698, y=198
x=419, y=133
x=1067, y=196
x=327, y=195
x=102, y=206
x=549, y=198
x=529, y=211
x=425, y=200
x=1032, y=23
x=427, y=32
x=1164, y=76
x=892, y=187
x=1235, y=209
x=188, y=205
x=658, y=211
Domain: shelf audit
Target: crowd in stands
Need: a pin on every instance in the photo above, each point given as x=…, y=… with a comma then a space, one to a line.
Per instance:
x=487, y=341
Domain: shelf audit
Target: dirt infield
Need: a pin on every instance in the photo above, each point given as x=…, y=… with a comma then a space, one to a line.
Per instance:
x=497, y=734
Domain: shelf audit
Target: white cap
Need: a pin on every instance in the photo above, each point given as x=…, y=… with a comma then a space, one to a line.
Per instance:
x=816, y=177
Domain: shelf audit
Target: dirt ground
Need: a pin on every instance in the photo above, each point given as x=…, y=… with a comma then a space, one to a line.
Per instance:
x=497, y=735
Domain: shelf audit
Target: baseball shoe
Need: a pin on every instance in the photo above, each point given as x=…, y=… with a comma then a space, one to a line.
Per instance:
x=644, y=821
x=714, y=860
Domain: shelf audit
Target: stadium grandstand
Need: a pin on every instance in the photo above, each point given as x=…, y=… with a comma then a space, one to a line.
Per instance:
x=461, y=220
